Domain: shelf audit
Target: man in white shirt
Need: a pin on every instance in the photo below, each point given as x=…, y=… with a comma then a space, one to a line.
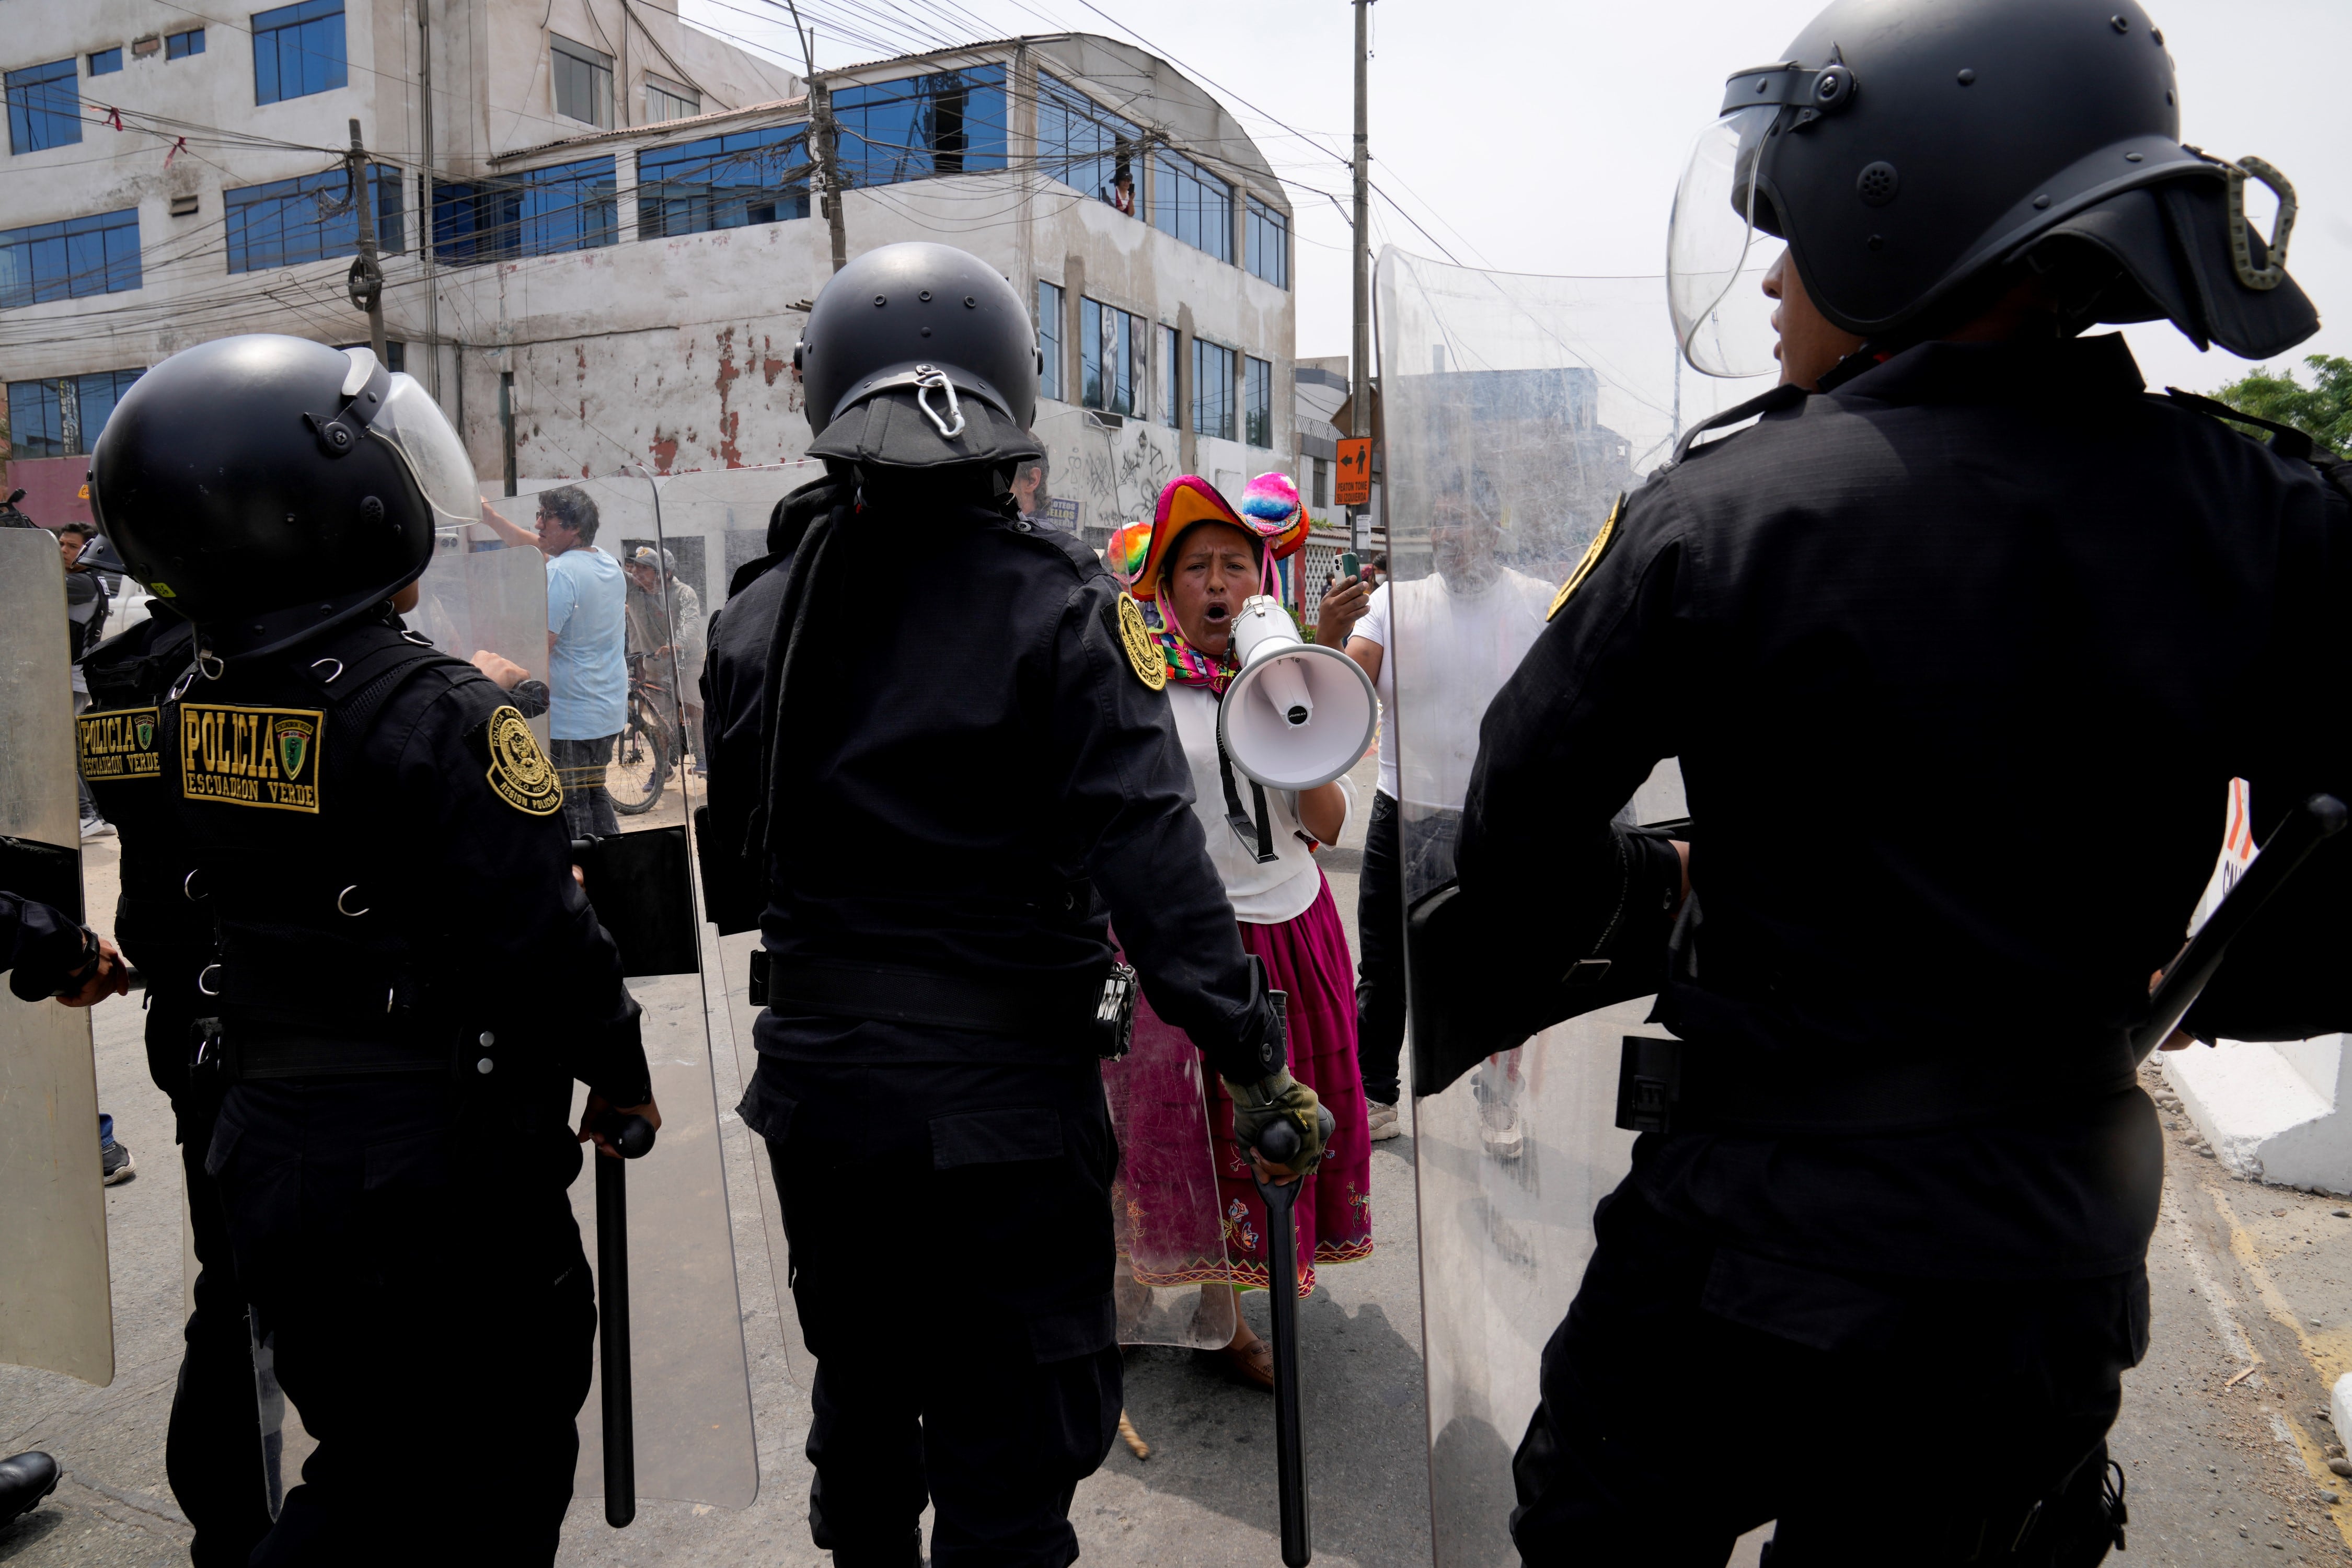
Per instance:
x=1472, y=619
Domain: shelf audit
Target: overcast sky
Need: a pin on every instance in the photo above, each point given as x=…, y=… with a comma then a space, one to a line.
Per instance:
x=1536, y=136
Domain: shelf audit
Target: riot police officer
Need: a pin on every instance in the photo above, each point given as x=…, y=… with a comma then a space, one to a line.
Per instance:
x=944, y=755
x=216, y=1433
x=1959, y=646
x=407, y=976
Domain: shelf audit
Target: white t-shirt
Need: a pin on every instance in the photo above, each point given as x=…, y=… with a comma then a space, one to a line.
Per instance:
x=1459, y=649
x=1267, y=894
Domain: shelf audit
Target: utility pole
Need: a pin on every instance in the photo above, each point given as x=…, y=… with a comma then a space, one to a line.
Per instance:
x=1359, y=390
x=425, y=200
x=366, y=279
x=822, y=134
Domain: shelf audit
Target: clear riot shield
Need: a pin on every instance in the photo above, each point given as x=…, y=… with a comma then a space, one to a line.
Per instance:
x=1165, y=1212
x=691, y=1390
x=55, y=1309
x=1518, y=409
x=480, y=596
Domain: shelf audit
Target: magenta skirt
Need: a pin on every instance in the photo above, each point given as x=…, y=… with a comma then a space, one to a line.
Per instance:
x=1307, y=957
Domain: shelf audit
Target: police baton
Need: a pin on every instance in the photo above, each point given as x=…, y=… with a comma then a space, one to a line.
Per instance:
x=632, y=1135
x=2176, y=991
x=1278, y=1145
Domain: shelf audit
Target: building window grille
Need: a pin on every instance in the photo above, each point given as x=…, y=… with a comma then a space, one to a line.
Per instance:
x=69, y=260
x=723, y=182
x=1269, y=244
x=1193, y=203
x=1257, y=401
x=106, y=62
x=1213, y=389
x=535, y=212
x=1087, y=148
x=584, y=82
x=1049, y=339
x=61, y=416
x=670, y=100
x=311, y=218
x=180, y=45
x=298, y=51
x=949, y=123
x=1112, y=345
x=44, y=107
x=1170, y=411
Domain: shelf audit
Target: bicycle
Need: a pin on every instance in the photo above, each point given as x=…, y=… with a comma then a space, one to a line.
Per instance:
x=647, y=755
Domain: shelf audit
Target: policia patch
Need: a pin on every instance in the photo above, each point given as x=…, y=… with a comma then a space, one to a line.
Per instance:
x=266, y=757
x=120, y=743
x=1142, y=647
x=1592, y=554
x=520, y=772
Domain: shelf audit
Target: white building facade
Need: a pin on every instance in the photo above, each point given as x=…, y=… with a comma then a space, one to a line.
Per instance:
x=600, y=243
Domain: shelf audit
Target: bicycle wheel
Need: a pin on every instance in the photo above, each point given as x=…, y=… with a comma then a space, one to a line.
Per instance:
x=642, y=765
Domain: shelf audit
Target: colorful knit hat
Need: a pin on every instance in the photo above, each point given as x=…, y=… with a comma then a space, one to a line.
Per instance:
x=1138, y=551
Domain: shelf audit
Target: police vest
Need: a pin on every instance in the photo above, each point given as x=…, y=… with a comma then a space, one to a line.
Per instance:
x=267, y=768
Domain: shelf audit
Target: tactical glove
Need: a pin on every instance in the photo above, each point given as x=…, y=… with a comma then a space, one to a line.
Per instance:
x=1281, y=1099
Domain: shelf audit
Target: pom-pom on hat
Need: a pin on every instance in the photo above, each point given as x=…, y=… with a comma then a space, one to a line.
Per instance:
x=1138, y=551
x=1272, y=508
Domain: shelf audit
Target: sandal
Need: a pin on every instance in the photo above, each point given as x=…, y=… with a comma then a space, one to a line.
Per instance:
x=1250, y=1362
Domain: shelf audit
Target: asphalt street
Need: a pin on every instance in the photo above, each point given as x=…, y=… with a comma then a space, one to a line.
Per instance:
x=2221, y=1431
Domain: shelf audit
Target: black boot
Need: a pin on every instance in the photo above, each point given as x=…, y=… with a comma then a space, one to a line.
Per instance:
x=24, y=1481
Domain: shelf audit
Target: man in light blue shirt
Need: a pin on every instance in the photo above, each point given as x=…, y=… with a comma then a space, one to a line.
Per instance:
x=588, y=671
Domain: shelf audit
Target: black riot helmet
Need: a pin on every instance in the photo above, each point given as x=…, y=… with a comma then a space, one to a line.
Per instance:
x=269, y=487
x=919, y=356
x=1918, y=156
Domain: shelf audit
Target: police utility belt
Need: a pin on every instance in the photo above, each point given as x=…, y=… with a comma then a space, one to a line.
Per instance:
x=1098, y=1010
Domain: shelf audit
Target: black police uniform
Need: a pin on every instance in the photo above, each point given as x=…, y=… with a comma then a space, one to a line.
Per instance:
x=42, y=947
x=408, y=979
x=1957, y=658
x=213, y=1455
x=961, y=766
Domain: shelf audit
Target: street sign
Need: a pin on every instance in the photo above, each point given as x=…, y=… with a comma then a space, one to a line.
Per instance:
x=1356, y=471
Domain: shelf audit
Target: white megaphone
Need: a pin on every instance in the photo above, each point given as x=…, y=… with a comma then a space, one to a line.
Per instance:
x=1298, y=715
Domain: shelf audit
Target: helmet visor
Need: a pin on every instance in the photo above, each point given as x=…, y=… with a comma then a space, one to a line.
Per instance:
x=413, y=424
x=1716, y=255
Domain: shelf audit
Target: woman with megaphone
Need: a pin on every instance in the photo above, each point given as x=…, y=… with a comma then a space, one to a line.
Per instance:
x=1270, y=725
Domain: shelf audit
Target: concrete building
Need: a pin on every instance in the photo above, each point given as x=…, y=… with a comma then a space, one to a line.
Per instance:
x=601, y=241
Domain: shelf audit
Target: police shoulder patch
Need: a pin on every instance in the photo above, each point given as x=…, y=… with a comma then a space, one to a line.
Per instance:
x=1142, y=649
x=520, y=772
x=1592, y=554
x=120, y=743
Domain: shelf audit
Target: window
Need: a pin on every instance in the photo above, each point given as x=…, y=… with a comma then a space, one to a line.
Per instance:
x=1269, y=244
x=1168, y=406
x=1257, y=401
x=44, y=107
x=1086, y=148
x=949, y=123
x=584, y=82
x=298, y=50
x=1110, y=358
x=180, y=45
x=1322, y=491
x=1191, y=203
x=1049, y=338
x=105, y=62
x=310, y=218
x=723, y=182
x=668, y=100
x=1213, y=389
x=539, y=212
x=61, y=417
x=67, y=260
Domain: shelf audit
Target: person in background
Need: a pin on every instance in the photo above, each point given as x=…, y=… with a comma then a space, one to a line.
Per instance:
x=1192, y=566
x=587, y=661
x=1029, y=491
x=666, y=625
x=1473, y=614
x=86, y=606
